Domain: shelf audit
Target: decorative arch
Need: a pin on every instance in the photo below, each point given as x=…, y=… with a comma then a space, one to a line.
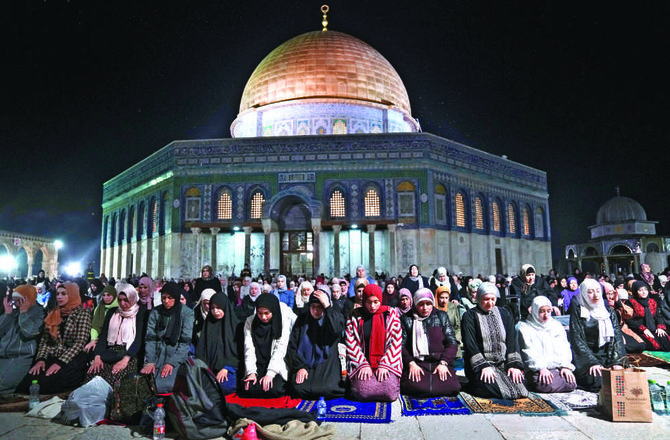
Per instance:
x=590, y=251
x=112, y=236
x=192, y=204
x=497, y=216
x=141, y=220
x=461, y=209
x=539, y=222
x=620, y=248
x=525, y=221
x=132, y=224
x=511, y=216
x=440, y=201
x=122, y=227
x=406, y=191
x=105, y=231
x=256, y=197
x=479, y=212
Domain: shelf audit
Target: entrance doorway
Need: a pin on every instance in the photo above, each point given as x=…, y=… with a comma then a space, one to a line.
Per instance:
x=297, y=253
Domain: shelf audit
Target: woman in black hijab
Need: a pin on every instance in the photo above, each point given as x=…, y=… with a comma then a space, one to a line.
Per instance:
x=266, y=335
x=313, y=353
x=218, y=342
x=168, y=337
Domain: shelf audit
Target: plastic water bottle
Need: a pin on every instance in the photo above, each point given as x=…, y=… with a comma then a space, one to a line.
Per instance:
x=655, y=393
x=667, y=398
x=321, y=408
x=34, y=399
x=159, y=423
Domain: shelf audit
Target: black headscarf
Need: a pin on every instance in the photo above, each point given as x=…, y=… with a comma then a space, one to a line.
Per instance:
x=648, y=318
x=217, y=345
x=264, y=333
x=313, y=346
x=173, y=330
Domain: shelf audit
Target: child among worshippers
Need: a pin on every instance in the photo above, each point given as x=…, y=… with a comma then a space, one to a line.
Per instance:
x=313, y=350
x=595, y=337
x=20, y=328
x=646, y=320
x=107, y=302
x=428, y=350
x=218, y=344
x=61, y=362
x=169, y=333
x=373, y=339
x=493, y=364
x=266, y=336
x=121, y=339
x=546, y=351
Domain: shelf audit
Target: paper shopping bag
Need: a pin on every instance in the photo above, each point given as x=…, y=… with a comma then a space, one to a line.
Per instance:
x=624, y=396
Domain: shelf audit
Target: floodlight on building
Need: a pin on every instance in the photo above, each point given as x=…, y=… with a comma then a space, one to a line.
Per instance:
x=58, y=244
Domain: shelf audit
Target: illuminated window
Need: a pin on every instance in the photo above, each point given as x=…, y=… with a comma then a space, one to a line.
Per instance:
x=340, y=126
x=526, y=221
x=257, y=205
x=511, y=223
x=496, y=216
x=539, y=223
x=479, y=213
x=224, y=208
x=460, y=210
x=337, y=204
x=372, y=203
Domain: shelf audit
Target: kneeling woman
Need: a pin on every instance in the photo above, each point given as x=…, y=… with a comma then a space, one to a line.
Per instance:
x=595, y=337
x=121, y=337
x=374, y=349
x=493, y=364
x=313, y=352
x=169, y=334
x=545, y=350
x=428, y=350
x=61, y=360
x=266, y=335
x=218, y=342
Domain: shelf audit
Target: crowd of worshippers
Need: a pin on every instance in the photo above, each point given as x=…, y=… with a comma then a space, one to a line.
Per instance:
x=364, y=337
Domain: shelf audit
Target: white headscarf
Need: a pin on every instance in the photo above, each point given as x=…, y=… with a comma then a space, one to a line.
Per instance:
x=206, y=294
x=122, y=328
x=596, y=311
x=551, y=326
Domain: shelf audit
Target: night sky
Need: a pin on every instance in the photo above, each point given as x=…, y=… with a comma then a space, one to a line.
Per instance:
x=91, y=87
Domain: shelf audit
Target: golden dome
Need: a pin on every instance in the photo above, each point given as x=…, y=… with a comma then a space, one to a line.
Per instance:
x=325, y=65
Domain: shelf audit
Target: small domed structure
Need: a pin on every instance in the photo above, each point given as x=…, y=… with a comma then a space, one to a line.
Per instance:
x=620, y=209
x=323, y=82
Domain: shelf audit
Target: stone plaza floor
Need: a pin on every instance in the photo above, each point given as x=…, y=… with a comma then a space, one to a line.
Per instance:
x=576, y=425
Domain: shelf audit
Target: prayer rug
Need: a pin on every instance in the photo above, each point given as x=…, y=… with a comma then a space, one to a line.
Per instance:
x=575, y=400
x=642, y=360
x=533, y=405
x=348, y=411
x=433, y=406
x=278, y=402
x=659, y=355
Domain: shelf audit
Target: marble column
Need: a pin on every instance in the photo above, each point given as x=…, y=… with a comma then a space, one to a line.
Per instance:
x=391, y=247
x=31, y=261
x=316, y=242
x=336, y=250
x=247, y=244
x=371, y=249
x=214, y=232
x=196, y=258
x=267, y=230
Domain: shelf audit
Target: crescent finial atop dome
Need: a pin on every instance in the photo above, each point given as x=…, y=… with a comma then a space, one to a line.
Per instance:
x=325, y=9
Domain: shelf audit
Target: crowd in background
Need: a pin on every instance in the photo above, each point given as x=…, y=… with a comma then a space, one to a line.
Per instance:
x=367, y=336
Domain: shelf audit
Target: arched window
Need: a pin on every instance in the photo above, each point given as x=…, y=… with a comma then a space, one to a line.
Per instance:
x=440, y=204
x=525, y=221
x=495, y=209
x=193, y=201
x=539, y=222
x=105, y=230
x=459, y=201
x=112, y=237
x=257, y=200
x=511, y=220
x=372, y=203
x=122, y=227
x=337, y=204
x=479, y=213
x=132, y=226
x=224, y=206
